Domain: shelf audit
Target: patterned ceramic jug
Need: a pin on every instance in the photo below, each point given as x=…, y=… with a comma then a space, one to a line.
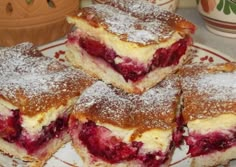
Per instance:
x=219, y=16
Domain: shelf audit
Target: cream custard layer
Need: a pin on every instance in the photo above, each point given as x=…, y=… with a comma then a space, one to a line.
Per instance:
x=154, y=139
x=219, y=123
x=34, y=124
x=142, y=54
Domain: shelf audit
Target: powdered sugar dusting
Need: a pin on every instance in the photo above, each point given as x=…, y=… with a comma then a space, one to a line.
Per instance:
x=32, y=79
x=112, y=105
x=217, y=86
x=108, y=102
x=147, y=11
x=159, y=98
x=18, y=71
x=208, y=90
x=144, y=10
x=131, y=28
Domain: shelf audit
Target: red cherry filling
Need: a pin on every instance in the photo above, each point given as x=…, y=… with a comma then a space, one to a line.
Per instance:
x=101, y=143
x=54, y=129
x=165, y=57
x=211, y=142
x=11, y=131
x=128, y=68
x=10, y=128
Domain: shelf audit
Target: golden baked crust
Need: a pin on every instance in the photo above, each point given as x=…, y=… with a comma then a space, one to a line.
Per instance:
x=35, y=83
x=133, y=21
x=208, y=90
x=126, y=28
x=146, y=11
x=155, y=109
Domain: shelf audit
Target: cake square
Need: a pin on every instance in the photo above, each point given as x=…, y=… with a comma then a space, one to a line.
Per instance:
x=209, y=101
x=132, y=44
x=112, y=128
x=36, y=95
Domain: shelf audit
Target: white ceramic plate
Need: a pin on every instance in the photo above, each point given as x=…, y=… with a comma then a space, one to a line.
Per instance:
x=67, y=157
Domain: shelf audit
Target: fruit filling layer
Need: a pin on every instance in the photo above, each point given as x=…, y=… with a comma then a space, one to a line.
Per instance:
x=128, y=68
x=12, y=132
x=54, y=130
x=208, y=143
x=10, y=128
x=101, y=143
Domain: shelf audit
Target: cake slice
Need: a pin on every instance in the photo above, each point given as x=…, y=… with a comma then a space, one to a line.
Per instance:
x=209, y=96
x=113, y=128
x=36, y=95
x=131, y=44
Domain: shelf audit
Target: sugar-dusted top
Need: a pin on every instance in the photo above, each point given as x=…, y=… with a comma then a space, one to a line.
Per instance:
x=125, y=26
x=148, y=11
x=156, y=108
x=35, y=83
x=210, y=92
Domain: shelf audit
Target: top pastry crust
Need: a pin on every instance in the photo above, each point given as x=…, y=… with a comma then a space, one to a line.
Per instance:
x=35, y=83
x=155, y=108
x=208, y=90
x=134, y=21
x=148, y=11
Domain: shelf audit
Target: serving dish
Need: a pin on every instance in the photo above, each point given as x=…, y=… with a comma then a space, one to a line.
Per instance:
x=202, y=54
x=67, y=157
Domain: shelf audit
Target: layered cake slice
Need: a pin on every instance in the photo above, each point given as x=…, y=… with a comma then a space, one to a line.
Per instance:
x=131, y=44
x=112, y=128
x=36, y=94
x=209, y=95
